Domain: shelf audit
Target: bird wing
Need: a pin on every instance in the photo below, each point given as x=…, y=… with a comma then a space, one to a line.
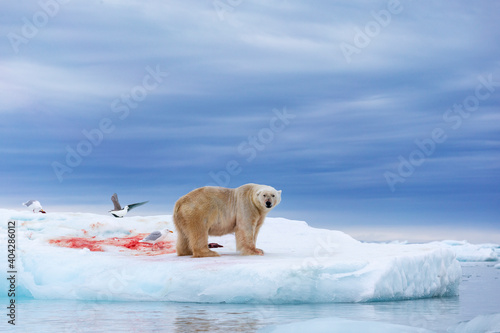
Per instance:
x=28, y=203
x=114, y=198
x=153, y=236
x=136, y=205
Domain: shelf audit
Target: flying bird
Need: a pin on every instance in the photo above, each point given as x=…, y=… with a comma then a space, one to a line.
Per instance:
x=156, y=236
x=35, y=206
x=118, y=211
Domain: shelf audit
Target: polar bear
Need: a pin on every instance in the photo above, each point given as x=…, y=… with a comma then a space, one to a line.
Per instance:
x=218, y=211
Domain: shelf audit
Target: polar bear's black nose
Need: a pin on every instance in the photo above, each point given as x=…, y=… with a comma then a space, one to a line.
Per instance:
x=269, y=204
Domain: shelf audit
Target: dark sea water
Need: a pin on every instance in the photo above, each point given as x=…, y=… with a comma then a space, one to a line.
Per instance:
x=479, y=295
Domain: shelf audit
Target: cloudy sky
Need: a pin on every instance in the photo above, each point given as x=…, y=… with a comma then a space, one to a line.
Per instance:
x=380, y=115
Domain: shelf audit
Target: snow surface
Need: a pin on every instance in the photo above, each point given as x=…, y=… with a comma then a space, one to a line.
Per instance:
x=301, y=264
x=472, y=252
x=466, y=252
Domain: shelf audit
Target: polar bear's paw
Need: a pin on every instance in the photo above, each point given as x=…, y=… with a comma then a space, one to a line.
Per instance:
x=252, y=252
x=207, y=253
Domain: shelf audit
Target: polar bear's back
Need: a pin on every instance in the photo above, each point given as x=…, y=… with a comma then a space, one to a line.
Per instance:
x=214, y=207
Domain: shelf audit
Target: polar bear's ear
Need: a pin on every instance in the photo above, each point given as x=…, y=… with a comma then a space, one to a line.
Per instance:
x=279, y=193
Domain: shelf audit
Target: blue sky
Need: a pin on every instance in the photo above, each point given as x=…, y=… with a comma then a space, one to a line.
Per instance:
x=366, y=114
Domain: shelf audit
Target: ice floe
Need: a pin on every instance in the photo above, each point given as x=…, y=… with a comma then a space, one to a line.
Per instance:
x=86, y=256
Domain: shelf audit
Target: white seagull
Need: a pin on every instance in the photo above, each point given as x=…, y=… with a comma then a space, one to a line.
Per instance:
x=35, y=206
x=118, y=211
x=156, y=236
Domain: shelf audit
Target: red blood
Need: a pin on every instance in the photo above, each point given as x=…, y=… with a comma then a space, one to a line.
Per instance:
x=130, y=243
x=96, y=225
x=77, y=243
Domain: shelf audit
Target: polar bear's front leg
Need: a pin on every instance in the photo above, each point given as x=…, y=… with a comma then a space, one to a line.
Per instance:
x=245, y=242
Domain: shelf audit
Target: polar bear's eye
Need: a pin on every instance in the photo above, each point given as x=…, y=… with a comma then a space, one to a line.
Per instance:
x=272, y=195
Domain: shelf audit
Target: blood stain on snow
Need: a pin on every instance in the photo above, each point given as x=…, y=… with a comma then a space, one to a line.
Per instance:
x=78, y=243
x=95, y=226
x=124, y=244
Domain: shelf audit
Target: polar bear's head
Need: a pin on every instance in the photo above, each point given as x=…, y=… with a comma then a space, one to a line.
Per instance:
x=267, y=197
